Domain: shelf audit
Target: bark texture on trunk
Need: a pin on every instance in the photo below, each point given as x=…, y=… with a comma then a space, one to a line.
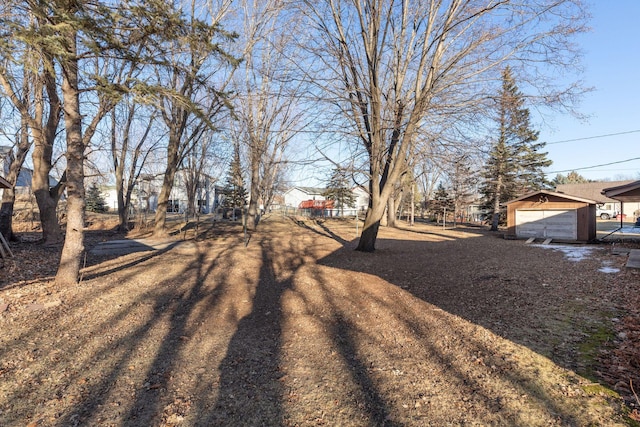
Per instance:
x=391, y=212
x=495, y=220
x=9, y=194
x=163, y=199
x=69, y=269
x=6, y=213
x=375, y=213
x=252, y=213
x=367, y=242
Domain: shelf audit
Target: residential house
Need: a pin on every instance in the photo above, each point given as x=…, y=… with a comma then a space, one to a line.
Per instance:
x=23, y=183
x=295, y=196
x=145, y=194
x=594, y=191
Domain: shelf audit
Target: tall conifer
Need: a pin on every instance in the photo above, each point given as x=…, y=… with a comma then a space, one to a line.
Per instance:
x=515, y=163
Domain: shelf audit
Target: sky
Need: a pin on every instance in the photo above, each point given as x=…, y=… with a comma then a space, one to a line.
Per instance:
x=612, y=62
x=610, y=134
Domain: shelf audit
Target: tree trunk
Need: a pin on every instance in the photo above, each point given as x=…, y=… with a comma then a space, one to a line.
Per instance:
x=46, y=198
x=123, y=217
x=370, y=228
x=252, y=213
x=9, y=194
x=163, y=198
x=391, y=212
x=6, y=213
x=495, y=220
x=69, y=269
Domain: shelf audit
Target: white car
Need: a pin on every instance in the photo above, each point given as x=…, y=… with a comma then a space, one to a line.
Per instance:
x=604, y=213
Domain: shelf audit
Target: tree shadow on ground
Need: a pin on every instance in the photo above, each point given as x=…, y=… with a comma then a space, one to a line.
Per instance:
x=529, y=297
x=249, y=388
x=167, y=368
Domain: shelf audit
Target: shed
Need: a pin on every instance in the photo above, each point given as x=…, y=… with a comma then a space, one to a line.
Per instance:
x=550, y=215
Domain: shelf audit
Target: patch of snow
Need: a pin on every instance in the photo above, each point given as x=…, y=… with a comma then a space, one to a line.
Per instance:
x=626, y=230
x=573, y=253
x=608, y=270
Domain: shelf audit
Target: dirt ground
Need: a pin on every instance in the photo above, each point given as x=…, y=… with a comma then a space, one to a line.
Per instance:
x=437, y=327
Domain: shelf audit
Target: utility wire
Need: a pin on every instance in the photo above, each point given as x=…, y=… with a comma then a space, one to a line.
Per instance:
x=593, y=137
x=596, y=166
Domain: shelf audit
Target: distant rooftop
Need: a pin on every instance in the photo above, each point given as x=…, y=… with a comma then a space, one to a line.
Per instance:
x=591, y=190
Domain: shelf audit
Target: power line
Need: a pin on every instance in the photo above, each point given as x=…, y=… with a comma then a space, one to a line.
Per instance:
x=593, y=137
x=596, y=166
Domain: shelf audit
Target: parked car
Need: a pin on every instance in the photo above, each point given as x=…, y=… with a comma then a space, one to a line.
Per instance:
x=603, y=213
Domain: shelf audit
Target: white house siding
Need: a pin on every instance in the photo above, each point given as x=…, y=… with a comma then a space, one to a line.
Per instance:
x=295, y=195
x=145, y=195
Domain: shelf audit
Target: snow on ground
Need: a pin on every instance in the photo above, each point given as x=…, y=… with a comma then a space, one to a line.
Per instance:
x=578, y=253
x=573, y=253
x=625, y=230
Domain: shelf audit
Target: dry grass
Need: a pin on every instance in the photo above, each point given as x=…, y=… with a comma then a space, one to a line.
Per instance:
x=438, y=327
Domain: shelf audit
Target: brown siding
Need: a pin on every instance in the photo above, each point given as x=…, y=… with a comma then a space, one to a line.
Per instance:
x=586, y=213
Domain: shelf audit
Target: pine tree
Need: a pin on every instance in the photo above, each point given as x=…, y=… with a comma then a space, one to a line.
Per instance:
x=235, y=193
x=338, y=190
x=572, y=177
x=94, y=201
x=515, y=164
x=442, y=200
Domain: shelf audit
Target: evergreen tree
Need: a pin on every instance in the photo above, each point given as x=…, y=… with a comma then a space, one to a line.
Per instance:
x=442, y=200
x=94, y=201
x=572, y=177
x=338, y=190
x=235, y=193
x=515, y=164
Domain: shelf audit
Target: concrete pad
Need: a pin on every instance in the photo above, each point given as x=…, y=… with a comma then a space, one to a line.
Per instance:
x=634, y=259
x=546, y=242
x=530, y=240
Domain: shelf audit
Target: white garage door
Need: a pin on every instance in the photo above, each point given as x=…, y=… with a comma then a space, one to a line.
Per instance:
x=555, y=224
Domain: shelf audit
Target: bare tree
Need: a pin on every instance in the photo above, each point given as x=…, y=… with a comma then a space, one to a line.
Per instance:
x=191, y=84
x=22, y=146
x=195, y=170
x=268, y=103
x=129, y=151
x=33, y=92
x=394, y=68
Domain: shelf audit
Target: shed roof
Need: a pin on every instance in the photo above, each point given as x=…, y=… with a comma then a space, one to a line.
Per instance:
x=590, y=190
x=555, y=194
x=629, y=192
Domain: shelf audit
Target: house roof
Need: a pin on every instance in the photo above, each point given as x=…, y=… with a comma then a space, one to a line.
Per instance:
x=553, y=193
x=629, y=192
x=310, y=190
x=4, y=183
x=591, y=190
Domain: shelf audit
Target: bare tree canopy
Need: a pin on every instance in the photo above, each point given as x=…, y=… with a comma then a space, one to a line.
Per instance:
x=395, y=71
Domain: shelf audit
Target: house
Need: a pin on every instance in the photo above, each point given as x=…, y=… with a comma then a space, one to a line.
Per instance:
x=627, y=194
x=299, y=197
x=25, y=177
x=145, y=194
x=552, y=215
x=594, y=191
x=295, y=195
